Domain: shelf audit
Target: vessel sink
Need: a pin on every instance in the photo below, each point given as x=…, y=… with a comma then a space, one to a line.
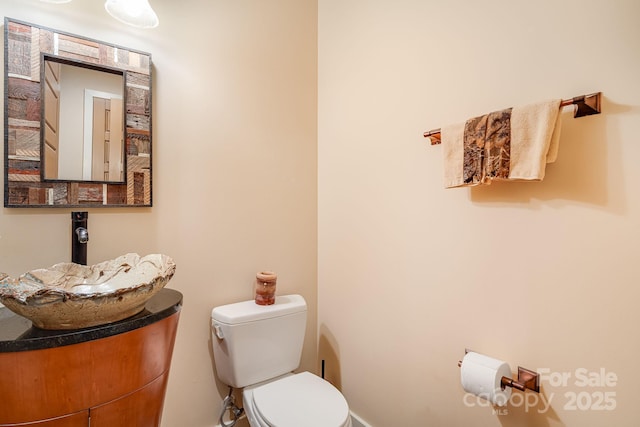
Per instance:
x=74, y=296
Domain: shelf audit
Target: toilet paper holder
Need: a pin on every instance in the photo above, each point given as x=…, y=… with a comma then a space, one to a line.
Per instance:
x=527, y=379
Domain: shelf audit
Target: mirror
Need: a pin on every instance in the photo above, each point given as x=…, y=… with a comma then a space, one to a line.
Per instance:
x=93, y=97
x=77, y=121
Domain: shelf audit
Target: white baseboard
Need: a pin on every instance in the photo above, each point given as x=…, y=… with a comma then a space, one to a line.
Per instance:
x=229, y=421
x=356, y=421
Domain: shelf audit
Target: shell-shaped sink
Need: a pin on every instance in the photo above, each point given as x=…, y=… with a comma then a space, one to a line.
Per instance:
x=74, y=296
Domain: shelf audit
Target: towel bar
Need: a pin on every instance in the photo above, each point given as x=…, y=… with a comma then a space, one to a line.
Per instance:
x=585, y=105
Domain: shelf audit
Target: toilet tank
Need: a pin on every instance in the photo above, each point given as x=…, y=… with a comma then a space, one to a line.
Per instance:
x=254, y=343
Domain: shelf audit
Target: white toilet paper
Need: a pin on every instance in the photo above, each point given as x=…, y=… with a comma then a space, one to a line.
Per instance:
x=481, y=375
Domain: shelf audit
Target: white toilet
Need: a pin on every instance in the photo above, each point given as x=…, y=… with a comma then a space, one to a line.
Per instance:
x=256, y=347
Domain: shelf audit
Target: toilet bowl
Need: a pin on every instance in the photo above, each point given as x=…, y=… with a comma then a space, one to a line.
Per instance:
x=256, y=348
x=296, y=400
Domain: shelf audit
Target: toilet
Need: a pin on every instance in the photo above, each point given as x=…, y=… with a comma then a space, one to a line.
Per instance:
x=257, y=348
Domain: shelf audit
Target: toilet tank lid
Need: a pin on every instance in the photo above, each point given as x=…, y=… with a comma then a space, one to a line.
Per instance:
x=249, y=311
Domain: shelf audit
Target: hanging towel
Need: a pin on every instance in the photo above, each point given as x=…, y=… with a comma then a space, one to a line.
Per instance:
x=511, y=144
x=535, y=132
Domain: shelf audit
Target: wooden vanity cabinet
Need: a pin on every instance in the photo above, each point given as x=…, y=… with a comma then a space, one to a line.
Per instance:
x=80, y=419
x=113, y=381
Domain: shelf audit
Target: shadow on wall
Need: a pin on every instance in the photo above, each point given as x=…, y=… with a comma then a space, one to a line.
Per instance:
x=529, y=409
x=329, y=351
x=589, y=163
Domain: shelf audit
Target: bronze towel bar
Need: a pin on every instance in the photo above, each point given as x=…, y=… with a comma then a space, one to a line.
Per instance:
x=585, y=105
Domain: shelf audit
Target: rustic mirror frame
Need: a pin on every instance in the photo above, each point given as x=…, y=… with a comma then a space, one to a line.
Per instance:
x=24, y=186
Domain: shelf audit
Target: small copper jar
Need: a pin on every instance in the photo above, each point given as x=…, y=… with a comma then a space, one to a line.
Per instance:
x=266, y=288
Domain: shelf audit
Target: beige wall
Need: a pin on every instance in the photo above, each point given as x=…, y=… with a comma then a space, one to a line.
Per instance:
x=543, y=275
x=234, y=149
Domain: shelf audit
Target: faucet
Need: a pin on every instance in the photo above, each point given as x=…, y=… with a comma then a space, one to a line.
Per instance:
x=79, y=237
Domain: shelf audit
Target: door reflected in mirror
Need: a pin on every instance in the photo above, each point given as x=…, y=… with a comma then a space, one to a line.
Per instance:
x=83, y=122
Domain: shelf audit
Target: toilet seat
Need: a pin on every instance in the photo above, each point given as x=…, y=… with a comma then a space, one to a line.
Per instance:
x=296, y=400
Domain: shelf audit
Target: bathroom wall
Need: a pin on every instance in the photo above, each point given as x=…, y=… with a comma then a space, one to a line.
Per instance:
x=543, y=275
x=234, y=152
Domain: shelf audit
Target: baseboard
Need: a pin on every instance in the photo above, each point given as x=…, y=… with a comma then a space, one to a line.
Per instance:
x=229, y=421
x=356, y=421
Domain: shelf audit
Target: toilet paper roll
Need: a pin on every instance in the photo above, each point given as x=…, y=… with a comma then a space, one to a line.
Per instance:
x=481, y=375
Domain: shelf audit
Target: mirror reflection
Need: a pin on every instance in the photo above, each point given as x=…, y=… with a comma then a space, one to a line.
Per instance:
x=83, y=122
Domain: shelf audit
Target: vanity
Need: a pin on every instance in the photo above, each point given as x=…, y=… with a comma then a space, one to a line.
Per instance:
x=77, y=119
x=103, y=376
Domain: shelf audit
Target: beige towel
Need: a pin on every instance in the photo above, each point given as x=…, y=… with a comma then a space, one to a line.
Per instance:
x=535, y=136
x=452, y=137
x=513, y=144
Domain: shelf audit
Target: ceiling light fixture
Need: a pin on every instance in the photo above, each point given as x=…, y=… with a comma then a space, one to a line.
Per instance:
x=133, y=12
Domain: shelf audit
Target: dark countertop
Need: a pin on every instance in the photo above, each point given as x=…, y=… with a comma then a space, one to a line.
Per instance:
x=18, y=334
